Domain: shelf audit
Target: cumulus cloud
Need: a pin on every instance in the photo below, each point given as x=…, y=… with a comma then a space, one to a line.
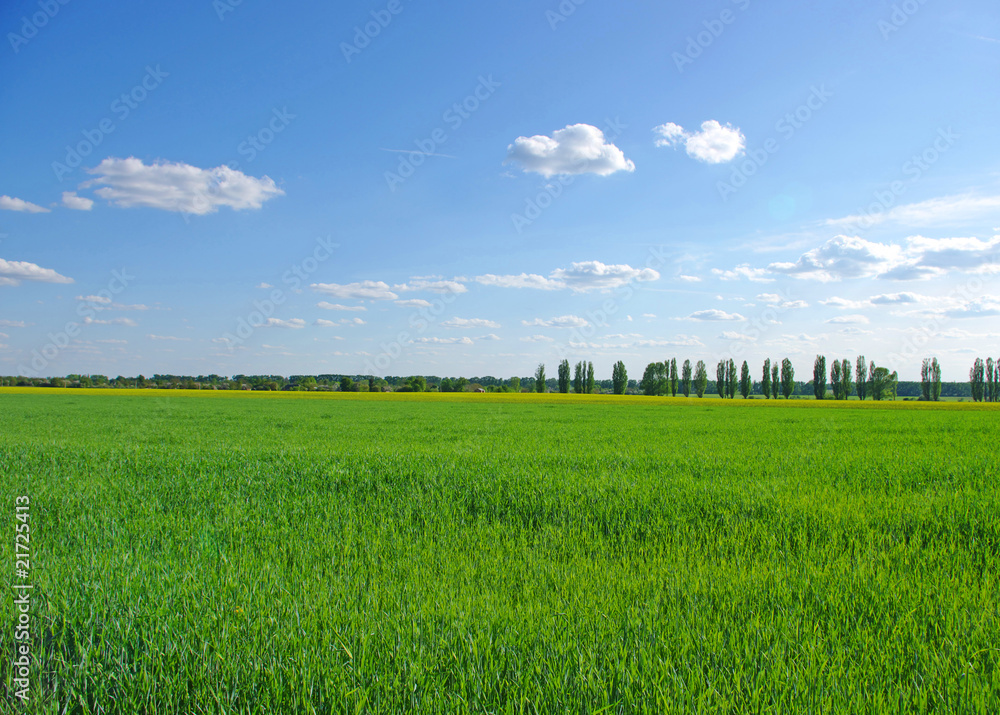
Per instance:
x=324, y=323
x=689, y=279
x=680, y=341
x=337, y=306
x=563, y=321
x=537, y=339
x=167, y=337
x=713, y=144
x=470, y=323
x=576, y=149
x=714, y=314
x=776, y=300
x=489, y=336
x=78, y=203
x=9, y=203
x=179, y=187
x=987, y=306
x=264, y=286
x=414, y=303
x=362, y=290
x=13, y=272
x=580, y=277
x=5, y=323
x=279, y=323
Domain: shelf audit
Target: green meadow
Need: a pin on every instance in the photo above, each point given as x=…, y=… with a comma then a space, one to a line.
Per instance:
x=220, y=553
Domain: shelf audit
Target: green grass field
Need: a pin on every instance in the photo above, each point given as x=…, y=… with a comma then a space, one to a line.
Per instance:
x=502, y=553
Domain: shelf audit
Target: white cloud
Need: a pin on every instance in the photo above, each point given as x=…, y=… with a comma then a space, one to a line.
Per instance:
x=524, y=280
x=470, y=323
x=453, y=286
x=757, y=275
x=987, y=306
x=78, y=203
x=279, y=323
x=948, y=210
x=576, y=149
x=264, y=286
x=362, y=290
x=114, y=321
x=9, y=203
x=12, y=324
x=733, y=335
x=844, y=257
x=13, y=272
x=714, y=144
x=352, y=321
x=414, y=303
x=714, y=314
x=681, y=341
x=689, y=279
x=443, y=341
x=849, y=320
x=179, y=187
x=649, y=315
x=594, y=275
x=489, y=336
x=337, y=306
x=167, y=337
x=537, y=339
x=563, y=321
x=580, y=277
x=324, y=323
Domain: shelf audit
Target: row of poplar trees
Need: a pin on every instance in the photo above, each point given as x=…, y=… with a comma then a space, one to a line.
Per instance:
x=867, y=380
x=663, y=378
x=985, y=380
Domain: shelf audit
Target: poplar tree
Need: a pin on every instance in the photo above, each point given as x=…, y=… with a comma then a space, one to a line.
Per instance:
x=819, y=377
x=590, y=378
x=686, y=378
x=977, y=380
x=925, y=380
x=564, y=377
x=578, y=378
x=700, y=378
x=720, y=378
x=745, y=382
x=673, y=377
x=787, y=378
x=765, y=384
x=845, y=372
x=836, y=380
x=619, y=378
x=540, y=377
x=935, y=379
x=861, y=377
x=775, y=381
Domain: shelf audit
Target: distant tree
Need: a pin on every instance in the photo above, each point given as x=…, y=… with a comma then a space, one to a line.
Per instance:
x=861, y=377
x=837, y=380
x=880, y=387
x=650, y=383
x=720, y=378
x=893, y=385
x=346, y=384
x=700, y=378
x=515, y=384
x=925, y=380
x=590, y=378
x=746, y=384
x=819, y=377
x=765, y=384
x=977, y=380
x=775, y=381
x=935, y=379
x=564, y=377
x=459, y=384
x=991, y=380
x=446, y=385
x=870, y=387
x=578, y=378
x=732, y=379
x=847, y=385
x=619, y=378
x=686, y=378
x=787, y=378
x=673, y=377
x=417, y=383
x=540, y=378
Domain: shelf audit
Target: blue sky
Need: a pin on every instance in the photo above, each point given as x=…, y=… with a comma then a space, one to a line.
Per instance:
x=467, y=189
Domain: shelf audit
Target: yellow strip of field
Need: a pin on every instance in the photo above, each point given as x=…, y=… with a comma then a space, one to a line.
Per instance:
x=502, y=397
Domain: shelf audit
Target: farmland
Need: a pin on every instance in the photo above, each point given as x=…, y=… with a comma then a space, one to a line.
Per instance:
x=272, y=552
